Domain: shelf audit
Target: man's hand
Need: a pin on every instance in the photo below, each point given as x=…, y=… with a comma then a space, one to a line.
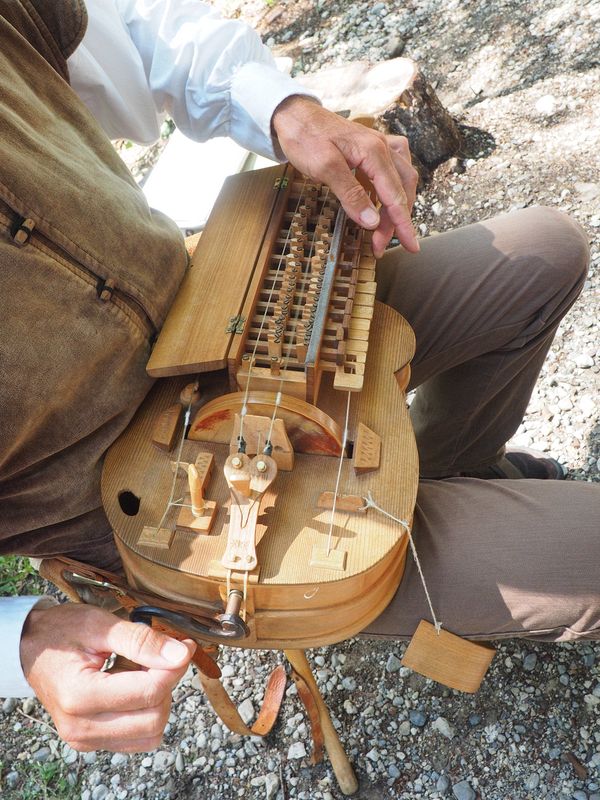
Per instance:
x=62, y=651
x=327, y=147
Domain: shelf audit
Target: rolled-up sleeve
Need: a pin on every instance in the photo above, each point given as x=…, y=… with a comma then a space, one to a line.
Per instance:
x=212, y=75
x=13, y=613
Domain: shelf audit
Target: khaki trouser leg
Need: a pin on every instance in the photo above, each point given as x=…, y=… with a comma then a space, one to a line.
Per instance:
x=501, y=558
x=484, y=302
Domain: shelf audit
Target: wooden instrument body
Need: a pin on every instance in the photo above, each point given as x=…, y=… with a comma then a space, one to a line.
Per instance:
x=289, y=602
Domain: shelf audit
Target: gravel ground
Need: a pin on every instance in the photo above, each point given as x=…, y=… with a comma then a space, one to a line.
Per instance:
x=527, y=73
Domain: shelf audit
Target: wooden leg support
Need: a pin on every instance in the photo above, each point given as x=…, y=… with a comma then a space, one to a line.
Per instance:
x=337, y=755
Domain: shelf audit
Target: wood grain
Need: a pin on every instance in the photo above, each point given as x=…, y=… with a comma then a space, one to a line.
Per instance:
x=194, y=337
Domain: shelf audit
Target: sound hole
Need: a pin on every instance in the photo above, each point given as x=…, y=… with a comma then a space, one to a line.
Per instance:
x=129, y=502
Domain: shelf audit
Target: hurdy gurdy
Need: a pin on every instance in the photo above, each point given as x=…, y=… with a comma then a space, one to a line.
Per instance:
x=237, y=493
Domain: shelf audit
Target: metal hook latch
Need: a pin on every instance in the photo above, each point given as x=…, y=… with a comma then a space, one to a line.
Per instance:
x=75, y=579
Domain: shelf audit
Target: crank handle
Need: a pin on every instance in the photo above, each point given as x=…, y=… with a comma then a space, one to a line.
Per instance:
x=231, y=626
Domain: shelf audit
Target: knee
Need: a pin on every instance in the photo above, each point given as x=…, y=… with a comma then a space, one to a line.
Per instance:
x=560, y=244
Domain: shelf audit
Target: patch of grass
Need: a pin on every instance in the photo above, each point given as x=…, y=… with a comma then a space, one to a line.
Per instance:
x=17, y=576
x=47, y=781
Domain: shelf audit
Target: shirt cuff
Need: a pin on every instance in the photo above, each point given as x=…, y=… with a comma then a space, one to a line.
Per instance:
x=13, y=613
x=259, y=106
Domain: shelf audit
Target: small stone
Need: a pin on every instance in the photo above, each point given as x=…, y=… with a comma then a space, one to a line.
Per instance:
x=443, y=784
x=29, y=705
x=246, y=711
x=533, y=781
x=42, y=755
x=437, y=208
x=250, y=748
x=95, y=778
x=529, y=662
x=393, y=771
x=393, y=663
x=418, y=719
x=9, y=705
x=584, y=361
x=474, y=719
x=70, y=757
x=119, y=759
x=588, y=405
x=296, y=751
x=404, y=728
x=394, y=47
x=100, y=792
x=579, y=795
x=271, y=785
x=546, y=105
x=162, y=760
x=443, y=726
x=463, y=791
x=12, y=780
x=179, y=763
x=349, y=683
x=588, y=191
x=349, y=707
x=373, y=754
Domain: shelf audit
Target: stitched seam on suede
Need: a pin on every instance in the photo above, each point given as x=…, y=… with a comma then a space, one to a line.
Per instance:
x=70, y=47
x=65, y=48
x=79, y=253
x=84, y=276
x=140, y=328
x=50, y=41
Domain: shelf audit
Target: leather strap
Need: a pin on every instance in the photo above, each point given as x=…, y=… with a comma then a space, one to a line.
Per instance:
x=226, y=710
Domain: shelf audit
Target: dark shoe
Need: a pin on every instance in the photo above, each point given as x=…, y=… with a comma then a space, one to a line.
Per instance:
x=523, y=463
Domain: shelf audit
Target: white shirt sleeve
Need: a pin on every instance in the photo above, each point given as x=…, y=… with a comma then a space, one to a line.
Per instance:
x=142, y=59
x=13, y=613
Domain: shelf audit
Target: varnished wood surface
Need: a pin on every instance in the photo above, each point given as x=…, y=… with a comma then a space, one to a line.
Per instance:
x=292, y=602
x=194, y=337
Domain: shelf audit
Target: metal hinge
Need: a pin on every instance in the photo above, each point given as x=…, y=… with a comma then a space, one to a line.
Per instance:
x=280, y=183
x=236, y=324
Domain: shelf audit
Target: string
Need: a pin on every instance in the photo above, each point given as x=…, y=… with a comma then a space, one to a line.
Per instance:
x=339, y=473
x=294, y=319
x=370, y=503
x=264, y=317
x=170, y=501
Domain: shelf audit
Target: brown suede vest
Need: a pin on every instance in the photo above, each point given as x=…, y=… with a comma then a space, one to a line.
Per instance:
x=87, y=274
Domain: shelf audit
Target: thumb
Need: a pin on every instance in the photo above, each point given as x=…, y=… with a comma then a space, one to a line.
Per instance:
x=146, y=646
